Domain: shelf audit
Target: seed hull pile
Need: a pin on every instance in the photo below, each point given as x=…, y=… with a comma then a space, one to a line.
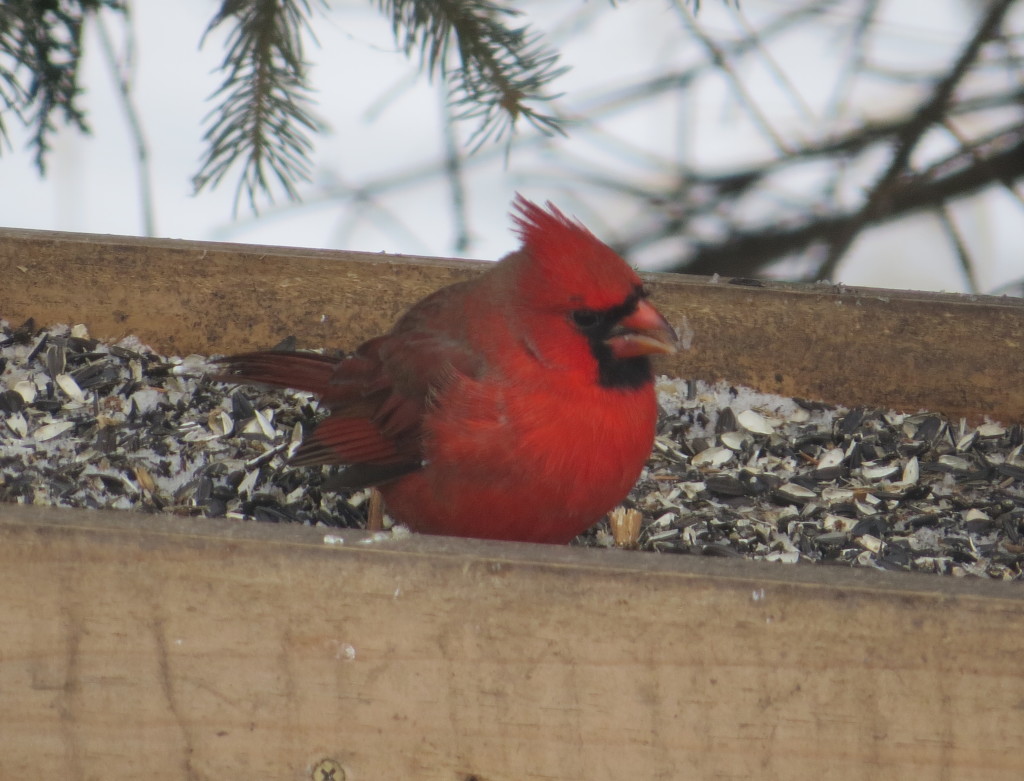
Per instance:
x=734, y=473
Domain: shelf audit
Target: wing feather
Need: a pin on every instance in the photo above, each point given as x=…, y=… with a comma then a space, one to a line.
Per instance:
x=376, y=398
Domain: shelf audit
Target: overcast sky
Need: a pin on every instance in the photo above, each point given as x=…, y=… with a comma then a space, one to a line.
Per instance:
x=385, y=121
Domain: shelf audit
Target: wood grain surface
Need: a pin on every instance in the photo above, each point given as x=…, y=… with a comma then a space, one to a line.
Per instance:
x=147, y=647
x=960, y=355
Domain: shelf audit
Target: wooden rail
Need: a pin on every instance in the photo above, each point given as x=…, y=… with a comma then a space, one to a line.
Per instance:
x=165, y=648
x=961, y=355
x=159, y=648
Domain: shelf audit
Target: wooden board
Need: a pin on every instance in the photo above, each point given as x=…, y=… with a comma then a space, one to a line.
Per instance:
x=960, y=355
x=147, y=647
x=165, y=648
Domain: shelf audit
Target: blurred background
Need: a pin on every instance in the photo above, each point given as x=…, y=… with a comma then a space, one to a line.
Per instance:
x=868, y=142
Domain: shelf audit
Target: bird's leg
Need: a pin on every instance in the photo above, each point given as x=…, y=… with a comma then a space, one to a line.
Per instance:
x=375, y=512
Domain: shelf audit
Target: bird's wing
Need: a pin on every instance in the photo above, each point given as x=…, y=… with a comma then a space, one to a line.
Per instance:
x=377, y=400
x=378, y=396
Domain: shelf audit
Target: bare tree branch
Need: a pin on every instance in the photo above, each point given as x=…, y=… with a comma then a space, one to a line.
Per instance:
x=908, y=137
x=720, y=58
x=122, y=80
x=963, y=255
x=744, y=251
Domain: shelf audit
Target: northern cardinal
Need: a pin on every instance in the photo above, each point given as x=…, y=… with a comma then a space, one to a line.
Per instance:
x=518, y=405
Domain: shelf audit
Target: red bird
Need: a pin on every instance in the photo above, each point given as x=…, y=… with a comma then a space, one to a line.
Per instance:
x=518, y=405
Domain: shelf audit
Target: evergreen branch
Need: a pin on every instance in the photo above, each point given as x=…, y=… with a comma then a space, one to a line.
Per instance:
x=501, y=69
x=44, y=39
x=263, y=118
x=12, y=93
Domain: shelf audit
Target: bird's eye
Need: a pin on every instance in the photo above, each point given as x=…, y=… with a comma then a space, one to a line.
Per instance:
x=585, y=319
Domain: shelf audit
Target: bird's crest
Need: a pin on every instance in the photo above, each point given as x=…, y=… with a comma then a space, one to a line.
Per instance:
x=570, y=258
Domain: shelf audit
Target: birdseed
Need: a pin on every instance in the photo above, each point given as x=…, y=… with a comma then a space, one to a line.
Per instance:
x=89, y=424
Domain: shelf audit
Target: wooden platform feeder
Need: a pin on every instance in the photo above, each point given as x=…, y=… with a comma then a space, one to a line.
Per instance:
x=149, y=647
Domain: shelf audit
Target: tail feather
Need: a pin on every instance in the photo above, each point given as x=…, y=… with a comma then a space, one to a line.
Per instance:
x=309, y=372
x=375, y=450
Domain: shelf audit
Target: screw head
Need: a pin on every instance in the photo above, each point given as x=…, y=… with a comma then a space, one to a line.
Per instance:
x=328, y=770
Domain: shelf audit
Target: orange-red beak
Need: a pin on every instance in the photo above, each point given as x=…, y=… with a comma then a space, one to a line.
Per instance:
x=644, y=332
